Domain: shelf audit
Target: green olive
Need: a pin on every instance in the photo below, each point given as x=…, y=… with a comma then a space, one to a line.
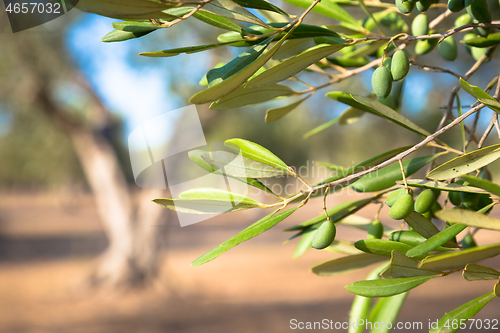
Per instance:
x=478, y=10
x=382, y=82
x=405, y=7
x=478, y=52
x=425, y=201
x=426, y=45
x=469, y=200
x=423, y=5
x=448, y=49
x=462, y=20
x=468, y=242
x=468, y=36
x=400, y=65
x=402, y=207
x=420, y=25
x=376, y=230
x=484, y=200
x=324, y=236
x=394, y=196
x=387, y=63
x=435, y=208
x=456, y=5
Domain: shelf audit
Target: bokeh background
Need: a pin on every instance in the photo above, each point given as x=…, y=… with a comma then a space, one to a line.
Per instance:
x=82, y=248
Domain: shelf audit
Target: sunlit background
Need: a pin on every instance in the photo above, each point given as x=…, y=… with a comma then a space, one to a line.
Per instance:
x=68, y=103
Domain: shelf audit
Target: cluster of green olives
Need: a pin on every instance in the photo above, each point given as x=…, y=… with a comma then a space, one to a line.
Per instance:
x=402, y=203
x=392, y=69
x=406, y=7
x=476, y=9
x=471, y=201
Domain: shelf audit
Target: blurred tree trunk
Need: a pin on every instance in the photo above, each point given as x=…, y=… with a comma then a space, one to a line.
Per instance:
x=36, y=64
x=133, y=255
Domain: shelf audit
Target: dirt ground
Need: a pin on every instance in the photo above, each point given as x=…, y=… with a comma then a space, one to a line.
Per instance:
x=47, y=245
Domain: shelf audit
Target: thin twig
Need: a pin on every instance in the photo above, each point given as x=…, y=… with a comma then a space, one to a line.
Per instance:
x=182, y=18
x=435, y=68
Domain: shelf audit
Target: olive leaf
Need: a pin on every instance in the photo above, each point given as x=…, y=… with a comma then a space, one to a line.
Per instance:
x=294, y=65
x=469, y=218
x=387, y=287
x=413, y=239
x=255, y=229
x=256, y=152
x=177, y=51
x=120, y=36
x=464, y=164
x=431, y=244
x=346, y=264
x=482, y=183
x=304, y=244
x=208, y=201
x=195, y=156
x=386, y=311
x=480, y=95
x=458, y=259
x=137, y=26
x=433, y=184
x=216, y=21
x=387, y=177
x=462, y=314
x=261, y=4
x=275, y=114
x=473, y=272
x=402, y=266
x=248, y=96
x=381, y=246
x=492, y=39
x=232, y=10
x=384, y=111
x=347, y=117
x=238, y=166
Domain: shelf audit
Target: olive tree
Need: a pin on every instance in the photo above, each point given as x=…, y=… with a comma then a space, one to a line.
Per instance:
x=278, y=47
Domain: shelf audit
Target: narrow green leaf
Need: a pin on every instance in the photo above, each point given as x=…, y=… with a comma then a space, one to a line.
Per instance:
x=469, y=218
x=255, y=229
x=482, y=183
x=347, y=117
x=388, y=309
x=131, y=10
x=238, y=166
x=120, y=36
x=384, y=111
x=481, y=95
x=294, y=65
x=329, y=9
x=177, y=51
x=208, y=201
x=217, y=21
x=473, y=272
x=401, y=266
x=261, y=4
x=342, y=247
x=135, y=26
x=381, y=247
x=346, y=264
x=388, y=287
x=217, y=75
x=231, y=83
x=304, y=244
x=458, y=259
x=195, y=156
x=360, y=309
x=453, y=187
x=348, y=99
x=255, y=152
x=422, y=225
x=437, y=240
x=249, y=96
x=496, y=290
x=464, y=164
x=275, y=114
x=356, y=221
x=413, y=239
x=232, y=10
x=462, y=314
x=492, y=39
x=387, y=177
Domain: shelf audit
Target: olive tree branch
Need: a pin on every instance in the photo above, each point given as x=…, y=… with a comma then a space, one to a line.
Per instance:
x=435, y=68
x=165, y=24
